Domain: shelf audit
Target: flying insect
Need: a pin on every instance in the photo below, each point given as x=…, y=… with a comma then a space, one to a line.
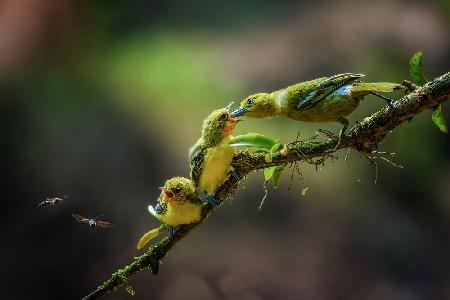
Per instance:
x=93, y=222
x=52, y=201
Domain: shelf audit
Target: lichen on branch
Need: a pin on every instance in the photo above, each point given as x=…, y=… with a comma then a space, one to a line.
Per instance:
x=364, y=137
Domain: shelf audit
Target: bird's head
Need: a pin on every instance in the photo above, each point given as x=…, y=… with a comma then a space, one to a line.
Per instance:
x=218, y=125
x=256, y=106
x=177, y=189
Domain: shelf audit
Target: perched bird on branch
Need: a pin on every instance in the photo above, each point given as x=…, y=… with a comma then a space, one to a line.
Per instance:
x=178, y=204
x=210, y=158
x=326, y=99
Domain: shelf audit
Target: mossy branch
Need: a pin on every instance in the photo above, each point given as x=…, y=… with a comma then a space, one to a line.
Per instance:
x=363, y=137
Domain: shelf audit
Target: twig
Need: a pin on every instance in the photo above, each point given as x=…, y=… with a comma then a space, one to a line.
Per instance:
x=364, y=137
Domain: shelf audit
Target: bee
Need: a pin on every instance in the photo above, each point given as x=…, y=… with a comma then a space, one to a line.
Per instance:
x=52, y=201
x=93, y=222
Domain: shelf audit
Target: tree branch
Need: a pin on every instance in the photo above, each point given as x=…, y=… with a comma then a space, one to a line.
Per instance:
x=364, y=137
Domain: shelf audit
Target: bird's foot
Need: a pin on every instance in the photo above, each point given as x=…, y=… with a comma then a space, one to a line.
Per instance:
x=213, y=200
x=390, y=102
x=159, y=208
x=171, y=231
x=233, y=174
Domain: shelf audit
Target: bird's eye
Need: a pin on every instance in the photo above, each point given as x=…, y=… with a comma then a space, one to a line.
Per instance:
x=250, y=101
x=177, y=190
x=223, y=117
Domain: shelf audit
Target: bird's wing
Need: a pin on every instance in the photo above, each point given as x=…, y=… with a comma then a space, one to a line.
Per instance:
x=80, y=219
x=194, y=199
x=196, y=157
x=326, y=87
x=104, y=224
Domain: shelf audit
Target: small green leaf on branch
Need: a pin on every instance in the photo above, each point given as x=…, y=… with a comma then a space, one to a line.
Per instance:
x=439, y=120
x=415, y=69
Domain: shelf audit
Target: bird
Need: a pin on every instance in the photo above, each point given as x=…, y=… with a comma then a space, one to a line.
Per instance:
x=92, y=222
x=326, y=99
x=177, y=204
x=210, y=157
x=53, y=201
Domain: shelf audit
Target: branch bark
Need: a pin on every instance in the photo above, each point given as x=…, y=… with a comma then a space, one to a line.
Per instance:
x=364, y=137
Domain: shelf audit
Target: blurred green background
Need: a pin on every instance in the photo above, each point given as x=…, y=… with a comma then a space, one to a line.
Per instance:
x=101, y=100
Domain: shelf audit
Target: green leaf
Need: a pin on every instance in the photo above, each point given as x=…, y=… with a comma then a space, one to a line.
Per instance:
x=253, y=140
x=268, y=172
x=273, y=173
x=415, y=68
x=276, y=177
x=439, y=120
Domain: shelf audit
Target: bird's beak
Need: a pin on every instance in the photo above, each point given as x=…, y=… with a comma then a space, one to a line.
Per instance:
x=233, y=120
x=230, y=126
x=238, y=112
x=167, y=194
x=229, y=106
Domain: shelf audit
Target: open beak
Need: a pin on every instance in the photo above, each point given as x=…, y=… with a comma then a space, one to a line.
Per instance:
x=229, y=106
x=167, y=194
x=233, y=120
x=232, y=124
x=238, y=112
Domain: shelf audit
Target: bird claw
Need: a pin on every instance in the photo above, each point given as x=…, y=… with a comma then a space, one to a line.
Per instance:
x=212, y=200
x=391, y=103
x=171, y=231
x=233, y=174
x=158, y=208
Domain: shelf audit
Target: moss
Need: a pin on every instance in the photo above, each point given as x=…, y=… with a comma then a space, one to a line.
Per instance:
x=118, y=279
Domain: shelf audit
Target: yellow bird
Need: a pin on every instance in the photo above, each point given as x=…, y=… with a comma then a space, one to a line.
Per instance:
x=178, y=204
x=210, y=158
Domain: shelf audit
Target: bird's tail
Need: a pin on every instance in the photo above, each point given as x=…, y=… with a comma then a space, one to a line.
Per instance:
x=149, y=235
x=384, y=87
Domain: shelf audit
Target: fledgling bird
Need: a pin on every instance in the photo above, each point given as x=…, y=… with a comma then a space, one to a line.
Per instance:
x=92, y=222
x=52, y=201
x=178, y=204
x=210, y=158
x=326, y=99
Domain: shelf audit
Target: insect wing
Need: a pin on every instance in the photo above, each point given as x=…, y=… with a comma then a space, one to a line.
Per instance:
x=80, y=219
x=104, y=224
x=43, y=203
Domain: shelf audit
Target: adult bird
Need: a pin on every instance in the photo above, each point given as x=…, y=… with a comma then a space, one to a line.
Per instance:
x=326, y=99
